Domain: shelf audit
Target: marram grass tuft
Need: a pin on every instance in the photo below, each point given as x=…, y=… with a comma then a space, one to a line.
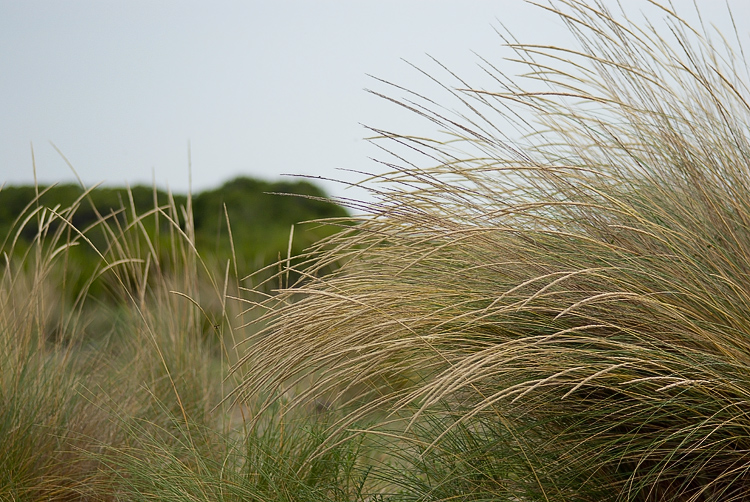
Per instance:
x=565, y=317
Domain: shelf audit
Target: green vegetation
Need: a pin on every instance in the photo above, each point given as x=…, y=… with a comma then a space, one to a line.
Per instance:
x=563, y=319
x=260, y=220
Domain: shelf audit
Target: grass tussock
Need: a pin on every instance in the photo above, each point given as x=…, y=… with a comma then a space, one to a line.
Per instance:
x=561, y=318
x=112, y=376
x=76, y=369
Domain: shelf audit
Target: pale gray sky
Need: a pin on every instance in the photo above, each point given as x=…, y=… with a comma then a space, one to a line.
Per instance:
x=259, y=88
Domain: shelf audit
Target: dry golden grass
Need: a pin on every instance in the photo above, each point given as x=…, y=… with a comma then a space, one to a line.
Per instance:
x=562, y=318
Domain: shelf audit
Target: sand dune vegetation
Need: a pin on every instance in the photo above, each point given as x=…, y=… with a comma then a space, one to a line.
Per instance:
x=563, y=319
x=558, y=316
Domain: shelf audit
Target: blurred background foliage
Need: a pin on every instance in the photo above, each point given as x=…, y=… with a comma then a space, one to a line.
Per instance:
x=259, y=213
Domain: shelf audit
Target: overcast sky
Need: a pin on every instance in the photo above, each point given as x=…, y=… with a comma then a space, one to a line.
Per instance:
x=258, y=88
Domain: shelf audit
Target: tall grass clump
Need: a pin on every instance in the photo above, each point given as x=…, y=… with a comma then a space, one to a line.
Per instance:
x=93, y=340
x=103, y=344
x=560, y=317
x=116, y=341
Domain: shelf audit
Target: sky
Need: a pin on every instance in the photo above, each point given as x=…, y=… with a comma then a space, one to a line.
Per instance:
x=257, y=88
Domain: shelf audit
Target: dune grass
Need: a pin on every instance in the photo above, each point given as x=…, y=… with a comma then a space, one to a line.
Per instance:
x=559, y=318
x=116, y=394
x=74, y=366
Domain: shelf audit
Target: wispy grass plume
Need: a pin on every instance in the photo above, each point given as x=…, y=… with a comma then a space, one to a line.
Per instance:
x=563, y=317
